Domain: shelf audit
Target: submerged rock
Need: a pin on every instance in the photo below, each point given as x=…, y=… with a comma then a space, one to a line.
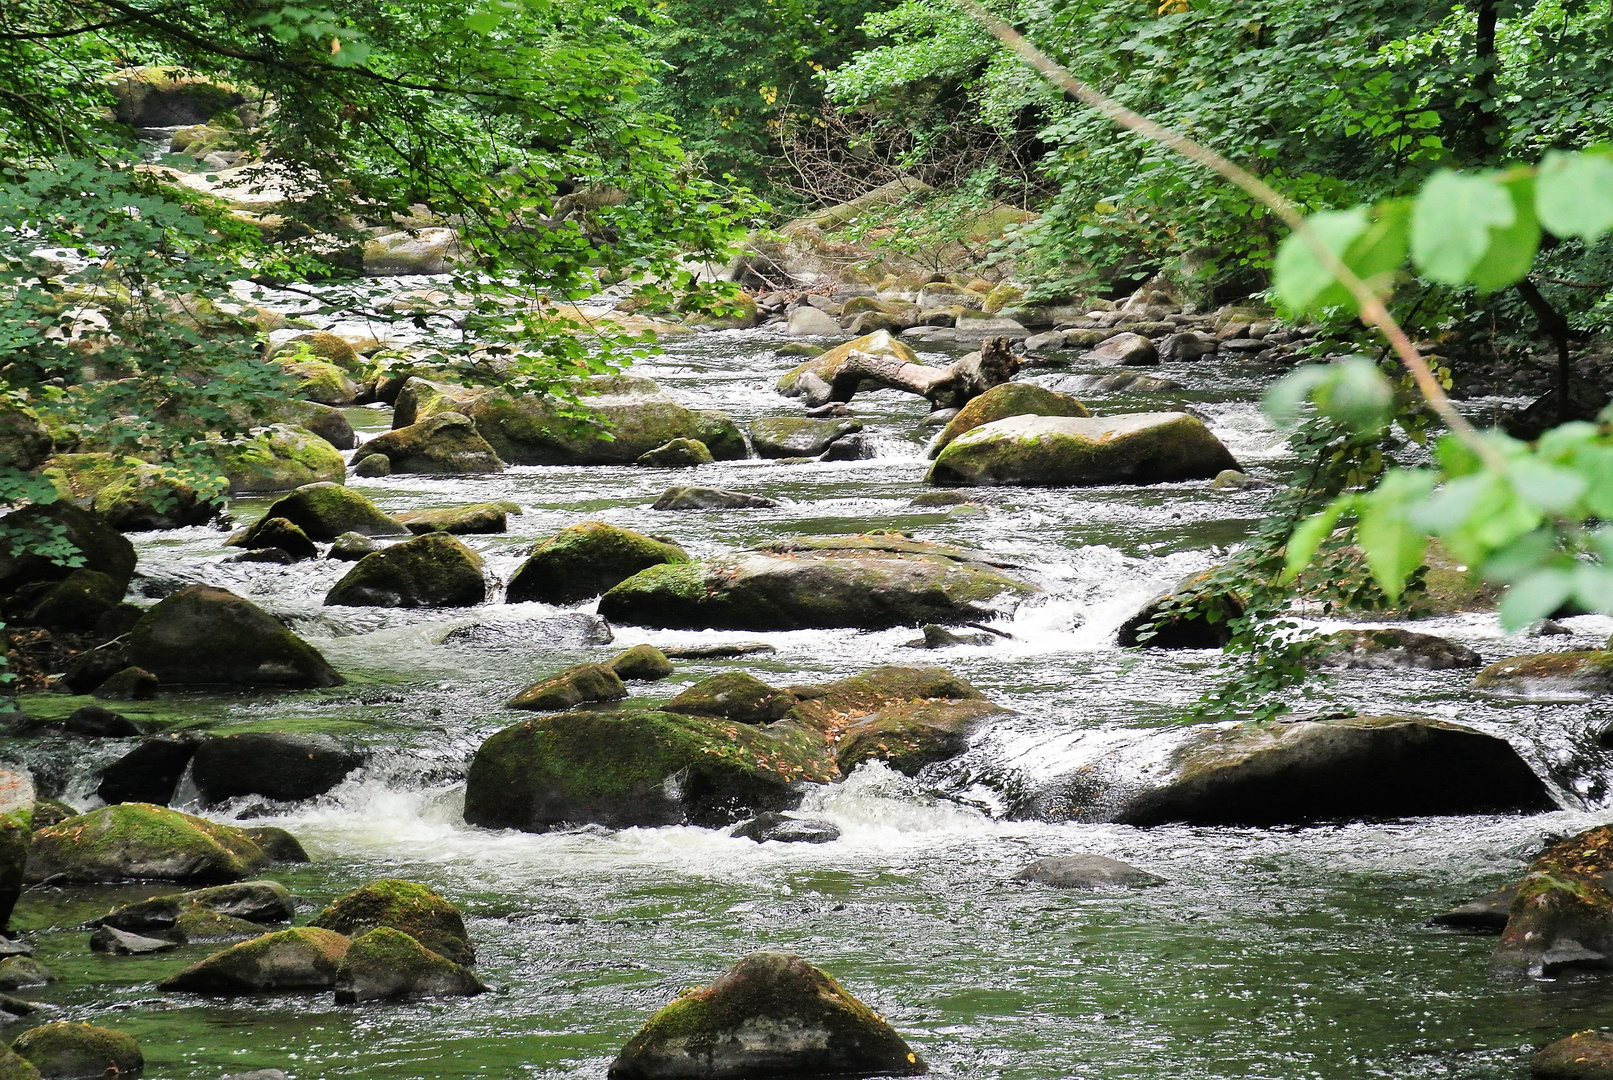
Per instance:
x=1380, y=649
x=1550, y=676
x=1486, y=915
x=289, y=768
x=79, y=1050
x=109, y=939
x=302, y=958
x=1584, y=1055
x=641, y=663
x=251, y=901
x=797, y=436
x=328, y=511
x=1557, y=921
x=138, y=841
x=386, y=965
x=1005, y=400
x=1054, y=451
x=572, y=687
x=203, y=635
x=1086, y=872
x=584, y=560
x=444, y=444
x=772, y=1014
x=717, y=652
x=734, y=696
x=406, y=906
x=910, y=735
x=787, y=829
x=704, y=498
x=21, y=972
x=433, y=570
x=277, y=532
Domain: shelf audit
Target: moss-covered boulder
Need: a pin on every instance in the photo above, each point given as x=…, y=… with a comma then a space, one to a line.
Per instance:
x=24, y=442
x=302, y=958
x=198, y=925
x=1001, y=402
x=910, y=735
x=322, y=382
x=797, y=436
x=1058, y=451
x=288, y=768
x=16, y=836
x=584, y=560
x=101, y=547
x=434, y=570
x=1584, y=1055
x=327, y=421
x=208, y=636
x=477, y=519
x=572, y=687
x=138, y=841
x=444, y=444
x=641, y=663
x=21, y=972
x=639, y=768
x=79, y=1050
x=1561, y=676
x=677, y=454
x=277, y=533
x=871, y=583
x=150, y=772
x=736, y=696
x=1362, y=767
x=325, y=511
x=320, y=345
x=405, y=906
x=249, y=901
x=704, y=498
x=1389, y=648
x=771, y=1014
x=278, y=844
x=278, y=458
x=132, y=495
x=76, y=604
x=813, y=378
x=387, y=965
x=1557, y=921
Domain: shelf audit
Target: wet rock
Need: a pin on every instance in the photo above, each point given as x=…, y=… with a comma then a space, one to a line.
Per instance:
x=735, y=696
x=444, y=444
x=939, y=637
x=405, y=906
x=1486, y=915
x=1194, y=615
x=1046, y=451
x=796, y=436
x=1557, y=921
x=1233, y=480
x=302, y=958
x=288, y=768
x=51, y=811
x=109, y=939
x=1584, y=1055
x=131, y=495
x=1124, y=350
x=259, y=1074
x=279, y=457
x=326, y=421
x=16, y=806
x=130, y=684
x=24, y=441
x=79, y=1050
x=868, y=582
x=150, y=772
x=431, y=250
x=1005, y=400
x=1086, y=872
x=351, y=547
x=725, y=651
x=808, y=321
x=75, y=604
x=1362, y=767
x=95, y=722
x=813, y=378
x=386, y=965
x=475, y=519
x=278, y=844
x=199, y=925
x=703, y=498
x=1185, y=345
x=92, y=667
x=572, y=687
x=641, y=663
x=569, y=629
x=772, y=1014
x=850, y=448
x=250, y=901
x=373, y=467
x=102, y=548
x=322, y=382
x=1121, y=382
x=433, y=570
x=584, y=560
x=277, y=532
x=203, y=635
x=22, y=972
x=907, y=736
x=1560, y=676
x=941, y=498
x=1385, y=649
x=328, y=511
x=272, y=555
x=133, y=841
x=787, y=829
x=677, y=454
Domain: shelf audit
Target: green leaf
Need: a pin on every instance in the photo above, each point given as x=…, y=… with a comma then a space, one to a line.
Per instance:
x=1351, y=392
x=1371, y=242
x=1452, y=222
x=1535, y=597
x=483, y=22
x=1393, y=544
x=1512, y=249
x=1574, y=193
x=1309, y=534
x=1551, y=487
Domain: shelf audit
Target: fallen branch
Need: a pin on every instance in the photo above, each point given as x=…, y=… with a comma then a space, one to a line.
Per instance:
x=950, y=387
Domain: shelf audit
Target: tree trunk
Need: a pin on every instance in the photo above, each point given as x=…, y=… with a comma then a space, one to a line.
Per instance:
x=950, y=387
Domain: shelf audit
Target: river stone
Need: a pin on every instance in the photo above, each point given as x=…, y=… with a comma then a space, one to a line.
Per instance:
x=204, y=635
x=1005, y=400
x=200, y=925
x=100, y=547
x=735, y=696
x=771, y=1014
x=808, y=321
x=704, y=498
x=1584, y=1055
x=1185, y=345
x=277, y=532
x=109, y=939
x=351, y=547
x=1487, y=914
x=79, y=1050
x=322, y=382
x=677, y=454
x=873, y=583
x=585, y=560
x=641, y=663
x=22, y=972
x=373, y=467
x=567, y=629
x=1200, y=615
x=910, y=735
x=132, y=495
x=434, y=570
x=472, y=520
x=813, y=378
x=797, y=436
x=939, y=637
x=277, y=843
x=288, y=768
x=150, y=772
x=572, y=687
x=1086, y=872
x=49, y=812
x=431, y=250
x=1317, y=770
x=134, y=841
x=323, y=346
x=1055, y=451
x=328, y=511
x=386, y=965
x=130, y=684
x=406, y=906
x=76, y=604
x=326, y=421
x=787, y=829
x=1381, y=649
x=24, y=441
x=445, y=444
x=1124, y=350
x=278, y=458
x=1560, y=676
x=302, y=958
x=1557, y=921
x=96, y=722
x=250, y=901
x=17, y=798
x=92, y=667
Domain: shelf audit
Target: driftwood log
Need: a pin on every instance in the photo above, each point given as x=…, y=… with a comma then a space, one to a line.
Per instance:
x=949, y=387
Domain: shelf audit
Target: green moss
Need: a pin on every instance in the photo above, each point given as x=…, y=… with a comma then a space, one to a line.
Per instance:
x=444, y=443
x=585, y=560
x=570, y=688
x=322, y=381
x=734, y=695
x=278, y=458
x=386, y=963
x=322, y=346
x=406, y=906
x=642, y=662
x=1137, y=448
x=326, y=510
x=137, y=840
x=911, y=735
x=69, y=1050
x=1003, y=401
x=18, y=972
x=304, y=957
x=685, y=581
x=827, y=365
x=208, y=636
x=433, y=570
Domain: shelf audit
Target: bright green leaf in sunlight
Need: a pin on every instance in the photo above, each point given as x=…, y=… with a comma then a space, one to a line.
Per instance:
x=1310, y=533
x=1453, y=220
x=1371, y=242
x=1393, y=544
x=1536, y=597
x=1574, y=193
x=1512, y=250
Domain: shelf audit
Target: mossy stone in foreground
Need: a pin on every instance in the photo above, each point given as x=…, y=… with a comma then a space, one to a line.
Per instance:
x=326, y=511
x=1005, y=400
x=1057, y=451
x=772, y=1014
x=302, y=958
x=1584, y=1055
x=585, y=560
x=641, y=663
x=570, y=688
x=434, y=570
x=203, y=635
x=387, y=964
x=74, y=1050
x=406, y=906
x=132, y=841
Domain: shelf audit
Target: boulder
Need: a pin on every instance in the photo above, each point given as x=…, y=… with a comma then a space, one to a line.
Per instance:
x=771, y=1014
x=79, y=1050
x=132, y=495
x=75, y=604
x=201, y=925
x=704, y=498
x=327, y=511
x=796, y=436
x=641, y=663
x=278, y=844
x=808, y=321
x=909, y=735
x=939, y=637
x=584, y=560
x=1185, y=345
x=1381, y=649
x=151, y=96
x=868, y=582
x=387, y=965
x=372, y=467
x=1317, y=770
x=249, y=901
x=51, y=812
x=278, y=458
x=96, y=722
x=302, y=958
x=1196, y=614
x=1001, y=402
x=1124, y=350
x=787, y=829
x=431, y=250
x=813, y=378
x=149, y=773
x=1086, y=872
x=405, y=906
x=319, y=345
x=289, y=768
x=203, y=635
x=277, y=533
x=351, y=547
x=1560, y=676
x=473, y=520
x=725, y=651
x=1048, y=451
x=572, y=687
x=443, y=444
x=24, y=442
x=677, y=454
x=322, y=382
x=109, y=939
x=433, y=570
x=16, y=823
x=326, y=421
x=1557, y=921
x=130, y=684
x=22, y=972
x=735, y=696
x=1485, y=915
x=138, y=841
x=100, y=547
x=1584, y=1055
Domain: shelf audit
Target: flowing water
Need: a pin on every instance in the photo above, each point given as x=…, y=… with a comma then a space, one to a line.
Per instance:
x=1280, y=953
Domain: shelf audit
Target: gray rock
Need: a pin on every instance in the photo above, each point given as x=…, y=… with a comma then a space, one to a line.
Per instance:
x=1485, y=915
x=1392, y=648
x=794, y=436
x=703, y=498
x=1559, y=676
x=1068, y=451
x=808, y=321
x=1124, y=350
x=288, y=768
x=367, y=468
x=351, y=546
x=109, y=939
x=677, y=454
x=787, y=829
x=1186, y=345
x=95, y=722
x=939, y=637
x=570, y=688
x=1086, y=872
x=1050, y=341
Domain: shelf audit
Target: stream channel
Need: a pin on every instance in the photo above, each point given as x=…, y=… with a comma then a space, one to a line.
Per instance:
x=1270, y=953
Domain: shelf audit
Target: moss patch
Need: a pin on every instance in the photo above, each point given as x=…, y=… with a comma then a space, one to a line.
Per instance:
x=405, y=906
x=137, y=840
